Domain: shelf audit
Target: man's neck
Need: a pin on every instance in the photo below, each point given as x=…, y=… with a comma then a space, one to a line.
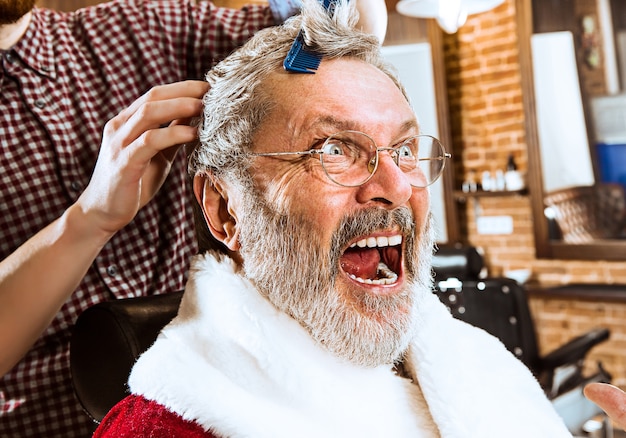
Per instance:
x=11, y=33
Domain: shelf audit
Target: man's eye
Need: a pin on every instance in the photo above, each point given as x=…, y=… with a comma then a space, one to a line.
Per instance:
x=405, y=151
x=333, y=148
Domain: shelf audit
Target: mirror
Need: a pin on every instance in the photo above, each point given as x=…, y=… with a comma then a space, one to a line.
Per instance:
x=573, y=71
x=415, y=48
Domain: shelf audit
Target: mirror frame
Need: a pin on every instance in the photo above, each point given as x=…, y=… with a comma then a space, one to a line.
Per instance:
x=544, y=247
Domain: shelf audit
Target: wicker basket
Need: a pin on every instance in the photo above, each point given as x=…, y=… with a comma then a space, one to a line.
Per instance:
x=588, y=213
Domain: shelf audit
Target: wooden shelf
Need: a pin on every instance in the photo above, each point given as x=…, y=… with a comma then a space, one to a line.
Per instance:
x=462, y=197
x=592, y=292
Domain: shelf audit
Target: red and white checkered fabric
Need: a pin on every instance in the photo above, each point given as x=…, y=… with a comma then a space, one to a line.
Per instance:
x=65, y=78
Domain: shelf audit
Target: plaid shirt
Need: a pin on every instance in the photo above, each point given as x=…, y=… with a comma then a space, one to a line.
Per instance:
x=68, y=75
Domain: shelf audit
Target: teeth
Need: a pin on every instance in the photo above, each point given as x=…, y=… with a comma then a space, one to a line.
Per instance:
x=395, y=240
x=378, y=242
x=383, y=269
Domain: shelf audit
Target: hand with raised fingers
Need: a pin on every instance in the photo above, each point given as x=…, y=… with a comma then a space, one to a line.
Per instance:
x=137, y=151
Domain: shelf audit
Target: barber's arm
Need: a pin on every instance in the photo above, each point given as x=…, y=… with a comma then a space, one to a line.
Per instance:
x=372, y=14
x=134, y=160
x=372, y=17
x=611, y=399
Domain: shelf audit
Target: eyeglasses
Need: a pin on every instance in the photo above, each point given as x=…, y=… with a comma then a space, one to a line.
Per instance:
x=350, y=158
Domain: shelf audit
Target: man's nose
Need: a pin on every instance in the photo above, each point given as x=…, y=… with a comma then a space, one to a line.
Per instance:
x=389, y=185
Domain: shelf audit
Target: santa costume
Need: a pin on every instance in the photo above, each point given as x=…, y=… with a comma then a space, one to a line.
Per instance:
x=232, y=365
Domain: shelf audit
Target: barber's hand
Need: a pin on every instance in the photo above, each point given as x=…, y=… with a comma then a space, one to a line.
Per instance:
x=137, y=153
x=611, y=399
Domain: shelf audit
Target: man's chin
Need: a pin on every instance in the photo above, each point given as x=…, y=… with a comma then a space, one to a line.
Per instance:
x=392, y=352
x=367, y=328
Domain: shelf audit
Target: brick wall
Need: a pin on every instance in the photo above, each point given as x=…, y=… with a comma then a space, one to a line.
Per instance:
x=487, y=119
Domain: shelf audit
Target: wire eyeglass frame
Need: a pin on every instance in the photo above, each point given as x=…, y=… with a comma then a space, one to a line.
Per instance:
x=406, y=156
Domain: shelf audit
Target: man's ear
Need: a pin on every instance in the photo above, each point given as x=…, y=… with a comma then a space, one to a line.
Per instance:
x=218, y=213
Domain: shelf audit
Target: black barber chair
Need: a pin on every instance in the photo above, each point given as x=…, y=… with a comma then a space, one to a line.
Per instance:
x=106, y=341
x=500, y=306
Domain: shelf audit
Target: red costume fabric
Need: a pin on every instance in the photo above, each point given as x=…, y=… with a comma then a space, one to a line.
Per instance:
x=136, y=417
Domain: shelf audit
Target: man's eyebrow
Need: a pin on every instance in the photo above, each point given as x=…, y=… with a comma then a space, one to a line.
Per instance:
x=347, y=125
x=410, y=124
x=334, y=123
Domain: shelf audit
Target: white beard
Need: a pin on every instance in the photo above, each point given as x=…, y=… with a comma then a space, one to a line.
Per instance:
x=286, y=259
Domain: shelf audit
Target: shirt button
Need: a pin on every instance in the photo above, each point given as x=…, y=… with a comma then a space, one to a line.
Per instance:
x=9, y=58
x=40, y=103
x=76, y=186
x=112, y=270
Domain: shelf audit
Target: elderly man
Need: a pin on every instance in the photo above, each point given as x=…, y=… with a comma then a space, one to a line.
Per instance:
x=310, y=312
x=87, y=218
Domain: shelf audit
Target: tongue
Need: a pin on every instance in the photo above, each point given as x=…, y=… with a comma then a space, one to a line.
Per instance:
x=362, y=263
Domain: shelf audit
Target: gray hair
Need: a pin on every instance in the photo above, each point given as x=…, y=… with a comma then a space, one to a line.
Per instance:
x=236, y=104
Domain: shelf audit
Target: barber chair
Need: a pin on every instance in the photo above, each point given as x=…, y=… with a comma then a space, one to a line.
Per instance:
x=500, y=307
x=106, y=341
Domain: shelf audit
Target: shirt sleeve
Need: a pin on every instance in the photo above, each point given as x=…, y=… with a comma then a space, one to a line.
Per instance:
x=203, y=34
x=283, y=9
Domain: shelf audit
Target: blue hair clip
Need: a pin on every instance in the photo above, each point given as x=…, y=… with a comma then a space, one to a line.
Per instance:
x=302, y=58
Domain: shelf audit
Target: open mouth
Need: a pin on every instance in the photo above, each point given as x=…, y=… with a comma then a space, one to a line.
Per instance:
x=374, y=260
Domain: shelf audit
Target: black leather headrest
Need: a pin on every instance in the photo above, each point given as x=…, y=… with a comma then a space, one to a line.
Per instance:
x=457, y=261
x=106, y=341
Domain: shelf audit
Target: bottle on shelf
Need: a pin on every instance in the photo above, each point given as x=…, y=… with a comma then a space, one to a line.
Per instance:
x=513, y=179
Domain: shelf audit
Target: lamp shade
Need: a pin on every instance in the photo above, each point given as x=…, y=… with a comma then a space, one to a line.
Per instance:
x=450, y=14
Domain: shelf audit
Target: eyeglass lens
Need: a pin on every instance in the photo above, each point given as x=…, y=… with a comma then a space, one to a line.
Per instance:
x=350, y=158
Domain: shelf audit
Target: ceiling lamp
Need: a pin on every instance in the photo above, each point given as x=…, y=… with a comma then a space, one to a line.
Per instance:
x=450, y=14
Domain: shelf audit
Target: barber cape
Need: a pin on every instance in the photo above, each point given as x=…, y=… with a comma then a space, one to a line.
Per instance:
x=238, y=367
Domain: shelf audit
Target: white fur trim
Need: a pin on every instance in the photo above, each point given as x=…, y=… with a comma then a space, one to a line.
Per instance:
x=234, y=364
x=473, y=385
